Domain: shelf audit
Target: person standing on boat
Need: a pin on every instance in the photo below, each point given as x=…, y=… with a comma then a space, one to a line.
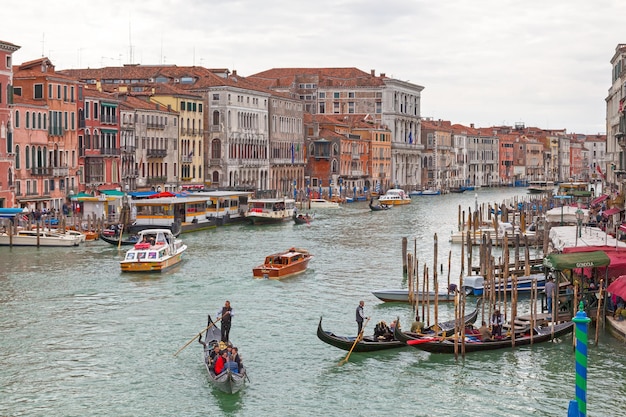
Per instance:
x=360, y=316
x=496, y=324
x=550, y=289
x=225, y=314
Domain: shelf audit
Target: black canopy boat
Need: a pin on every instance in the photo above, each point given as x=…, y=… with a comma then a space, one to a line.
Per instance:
x=228, y=381
x=372, y=343
x=302, y=218
x=436, y=344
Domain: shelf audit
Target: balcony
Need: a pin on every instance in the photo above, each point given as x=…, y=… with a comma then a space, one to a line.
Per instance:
x=110, y=151
x=215, y=162
x=128, y=149
x=41, y=171
x=108, y=119
x=156, y=180
x=60, y=172
x=186, y=159
x=131, y=173
x=160, y=126
x=157, y=153
x=621, y=139
x=215, y=128
x=356, y=155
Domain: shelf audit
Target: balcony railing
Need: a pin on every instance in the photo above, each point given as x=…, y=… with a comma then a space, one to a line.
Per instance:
x=110, y=151
x=215, y=162
x=156, y=180
x=108, y=119
x=215, y=128
x=186, y=159
x=41, y=171
x=157, y=153
x=60, y=172
x=156, y=125
x=128, y=148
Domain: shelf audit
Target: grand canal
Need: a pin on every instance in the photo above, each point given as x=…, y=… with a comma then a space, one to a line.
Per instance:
x=78, y=338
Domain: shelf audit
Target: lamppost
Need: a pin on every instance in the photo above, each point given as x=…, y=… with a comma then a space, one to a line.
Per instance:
x=579, y=219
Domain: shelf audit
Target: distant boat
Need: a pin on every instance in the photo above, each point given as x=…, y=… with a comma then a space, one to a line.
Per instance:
x=425, y=192
x=402, y=295
x=319, y=203
x=270, y=210
x=457, y=190
x=41, y=238
x=395, y=197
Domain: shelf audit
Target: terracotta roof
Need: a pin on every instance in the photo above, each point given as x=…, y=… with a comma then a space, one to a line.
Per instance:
x=323, y=77
x=128, y=102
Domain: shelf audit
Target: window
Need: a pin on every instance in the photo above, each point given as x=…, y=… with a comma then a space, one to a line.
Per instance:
x=17, y=157
x=64, y=93
x=336, y=94
x=351, y=107
x=335, y=107
x=87, y=104
x=182, y=105
x=17, y=91
x=27, y=120
x=322, y=94
x=59, y=91
x=322, y=108
x=95, y=110
x=38, y=91
x=17, y=118
x=50, y=91
x=351, y=94
x=216, y=96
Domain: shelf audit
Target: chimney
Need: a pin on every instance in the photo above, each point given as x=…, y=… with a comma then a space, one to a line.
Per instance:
x=234, y=73
x=472, y=125
x=373, y=72
x=382, y=75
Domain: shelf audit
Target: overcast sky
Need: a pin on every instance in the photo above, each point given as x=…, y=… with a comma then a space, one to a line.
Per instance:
x=544, y=63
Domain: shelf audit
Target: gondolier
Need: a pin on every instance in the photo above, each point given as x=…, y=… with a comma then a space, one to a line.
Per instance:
x=360, y=316
x=225, y=314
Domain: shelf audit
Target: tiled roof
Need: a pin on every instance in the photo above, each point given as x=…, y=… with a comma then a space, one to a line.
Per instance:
x=323, y=77
x=128, y=102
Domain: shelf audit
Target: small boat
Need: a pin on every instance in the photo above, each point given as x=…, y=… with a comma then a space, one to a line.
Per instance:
x=41, y=238
x=379, y=207
x=402, y=295
x=302, y=218
x=124, y=241
x=540, y=187
x=474, y=284
x=320, y=203
x=457, y=190
x=374, y=343
x=228, y=381
x=395, y=197
x=283, y=264
x=270, y=210
x=425, y=192
x=156, y=250
x=474, y=344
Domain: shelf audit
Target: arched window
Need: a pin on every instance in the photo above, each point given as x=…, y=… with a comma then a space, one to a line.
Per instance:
x=38, y=120
x=27, y=120
x=17, y=118
x=27, y=155
x=216, y=149
x=17, y=156
x=335, y=149
x=216, y=118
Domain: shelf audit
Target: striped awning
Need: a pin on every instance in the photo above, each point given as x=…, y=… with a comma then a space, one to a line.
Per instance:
x=599, y=199
x=611, y=211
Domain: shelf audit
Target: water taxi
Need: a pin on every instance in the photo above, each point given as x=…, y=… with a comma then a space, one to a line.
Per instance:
x=270, y=210
x=157, y=250
x=319, y=203
x=225, y=207
x=395, y=196
x=540, y=187
x=38, y=238
x=283, y=264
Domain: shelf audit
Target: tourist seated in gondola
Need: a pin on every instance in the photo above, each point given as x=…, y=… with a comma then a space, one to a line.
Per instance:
x=214, y=354
x=220, y=363
x=418, y=325
x=485, y=333
x=234, y=356
x=382, y=331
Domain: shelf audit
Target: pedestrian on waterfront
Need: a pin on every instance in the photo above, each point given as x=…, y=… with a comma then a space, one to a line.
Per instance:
x=225, y=314
x=550, y=290
x=496, y=324
x=360, y=316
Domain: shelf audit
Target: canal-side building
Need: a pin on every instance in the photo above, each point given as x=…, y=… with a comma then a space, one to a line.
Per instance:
x=438, y=159
x=7, y=158
x=38, y=82
x=395, y=104
x=616, y=120
x=482, y=155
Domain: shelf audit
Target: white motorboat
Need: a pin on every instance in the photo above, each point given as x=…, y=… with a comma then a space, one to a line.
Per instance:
x=156, y=251
x=39, y=238
x=395, y=197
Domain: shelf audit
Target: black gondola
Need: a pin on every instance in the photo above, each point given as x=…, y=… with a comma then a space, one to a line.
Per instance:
x=378, y=207
x=473, y=344
x=228, y=381
x=302, y=218
x=372, y=343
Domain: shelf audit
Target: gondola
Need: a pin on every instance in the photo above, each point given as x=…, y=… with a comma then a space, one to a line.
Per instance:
x=371, y=343
x=378, y=207
x=302, y=218
x=474, y=344
x=228, y=381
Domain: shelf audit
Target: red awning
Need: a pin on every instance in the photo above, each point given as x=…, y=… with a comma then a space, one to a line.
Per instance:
x=162, y=194
x=599, y=199
x=611, y=211
x=622, y=228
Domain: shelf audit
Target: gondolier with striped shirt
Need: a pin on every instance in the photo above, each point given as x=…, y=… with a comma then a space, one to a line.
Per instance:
x=225, y=314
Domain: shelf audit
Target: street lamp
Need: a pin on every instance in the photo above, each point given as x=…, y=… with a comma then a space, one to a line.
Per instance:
x=579, y=219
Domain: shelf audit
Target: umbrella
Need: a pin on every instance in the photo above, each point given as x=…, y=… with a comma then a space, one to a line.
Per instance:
x=162, y=194
x=618, y=287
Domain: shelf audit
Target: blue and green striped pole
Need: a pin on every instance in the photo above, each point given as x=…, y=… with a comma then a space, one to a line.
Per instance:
x=578, y=407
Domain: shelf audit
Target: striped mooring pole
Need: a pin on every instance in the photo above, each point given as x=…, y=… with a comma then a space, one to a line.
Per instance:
x=578, y=407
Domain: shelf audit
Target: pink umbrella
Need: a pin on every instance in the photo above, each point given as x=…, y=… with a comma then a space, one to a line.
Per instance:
x=618, y=287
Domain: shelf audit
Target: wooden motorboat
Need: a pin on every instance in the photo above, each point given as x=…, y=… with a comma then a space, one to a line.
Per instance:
x=270, y=210
x=283, y=264
x=156, y=250
x=302, y=218
x=474, y=344
x=228, y=381
x=372, y=343
x=395, y=197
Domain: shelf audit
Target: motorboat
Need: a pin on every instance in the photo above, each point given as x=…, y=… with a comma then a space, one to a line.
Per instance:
x=283, y=264
x=395, y=197
x=39, y=238
x=156, y=251
x=270, y=210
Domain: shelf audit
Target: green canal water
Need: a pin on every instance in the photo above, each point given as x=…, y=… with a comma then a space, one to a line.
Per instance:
x=79, y=338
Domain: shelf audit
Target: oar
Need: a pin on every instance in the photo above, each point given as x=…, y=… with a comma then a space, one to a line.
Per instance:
x=359, y=336
x=196, y=335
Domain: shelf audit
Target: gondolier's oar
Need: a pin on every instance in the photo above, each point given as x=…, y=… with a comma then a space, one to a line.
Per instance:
x=359, y=336
x=198, y=334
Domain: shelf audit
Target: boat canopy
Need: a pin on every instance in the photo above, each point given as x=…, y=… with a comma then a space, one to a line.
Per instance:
x=560, y=262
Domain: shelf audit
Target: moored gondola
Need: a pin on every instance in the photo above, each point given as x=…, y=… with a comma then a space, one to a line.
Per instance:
x=474, y=344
